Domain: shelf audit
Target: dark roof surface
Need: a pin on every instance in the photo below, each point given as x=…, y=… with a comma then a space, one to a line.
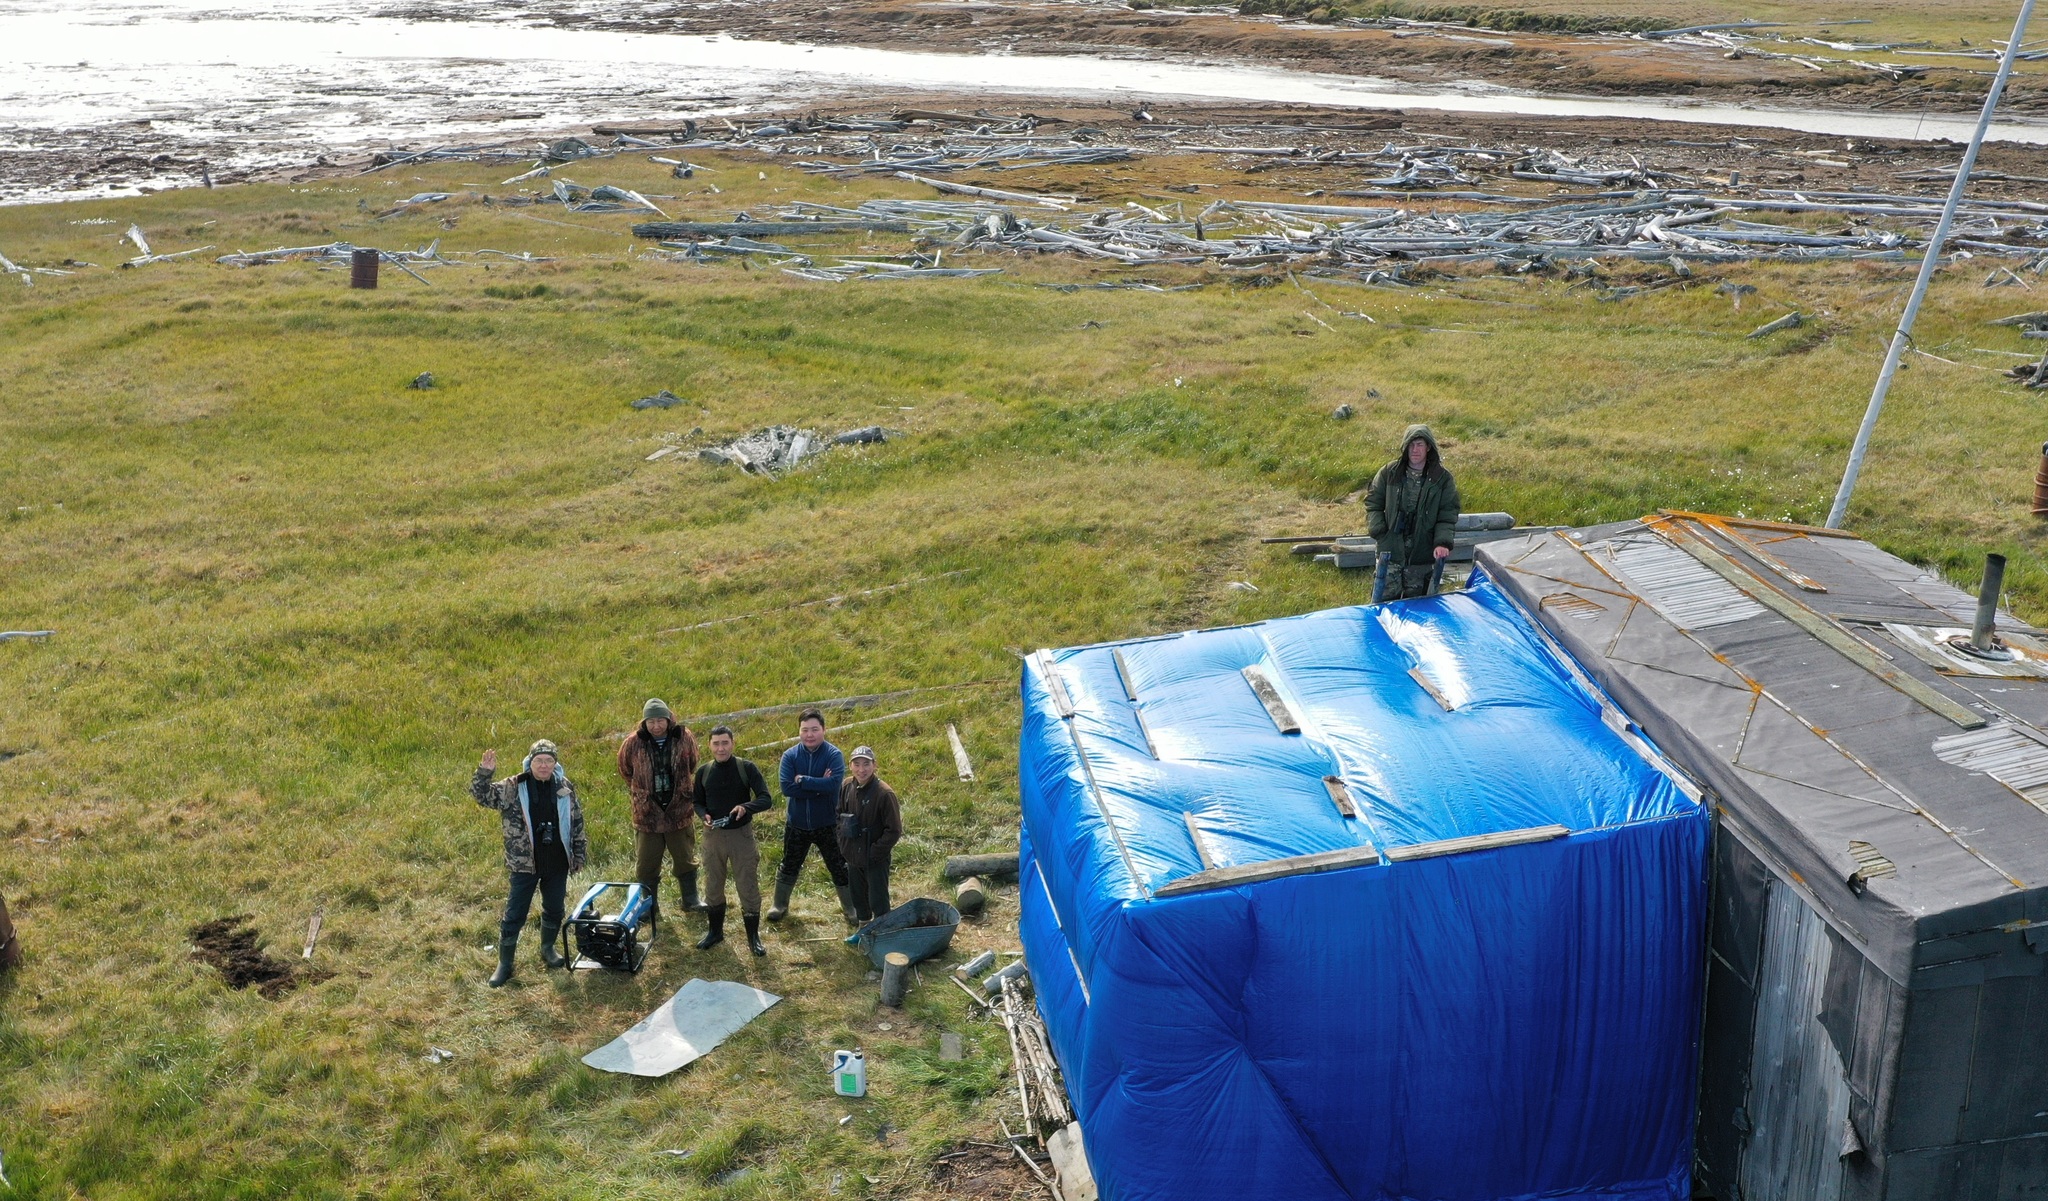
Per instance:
x=1877, y=796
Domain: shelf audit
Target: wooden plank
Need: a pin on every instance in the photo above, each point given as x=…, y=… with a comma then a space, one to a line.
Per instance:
x=1812, y=622
x=1749, y=547
x=1151, y=747
x=1475, y=842
x=1781, y=527
x=1341, y=796
x=1429, y=686
x=1272, y=869
x=1123, y=672
x=960, y=760
x=1269, y=696
x=1201, y=848
x=1047, y=671
x=663, y=230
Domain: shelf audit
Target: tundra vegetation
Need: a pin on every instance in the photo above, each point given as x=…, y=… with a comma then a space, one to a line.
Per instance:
x=295, y=598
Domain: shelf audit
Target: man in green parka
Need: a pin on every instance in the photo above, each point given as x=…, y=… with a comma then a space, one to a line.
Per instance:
x=1412, y=512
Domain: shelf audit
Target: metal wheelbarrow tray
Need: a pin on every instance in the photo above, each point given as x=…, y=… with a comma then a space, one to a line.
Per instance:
x=919, y=928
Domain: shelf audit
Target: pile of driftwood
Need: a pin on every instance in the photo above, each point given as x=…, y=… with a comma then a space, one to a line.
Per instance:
x=780, y=449
x=1650, y=225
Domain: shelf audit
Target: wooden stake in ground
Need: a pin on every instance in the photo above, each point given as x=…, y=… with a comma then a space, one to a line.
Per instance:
x=960, y=759
x=313, y=931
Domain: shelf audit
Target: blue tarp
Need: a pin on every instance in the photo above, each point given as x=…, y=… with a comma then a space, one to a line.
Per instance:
x=1514, y=1022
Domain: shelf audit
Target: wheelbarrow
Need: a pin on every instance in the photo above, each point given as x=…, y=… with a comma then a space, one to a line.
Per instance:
x=920, y=929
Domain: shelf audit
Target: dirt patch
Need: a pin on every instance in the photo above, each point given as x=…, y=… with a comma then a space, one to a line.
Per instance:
x=982, y=1172
x=229, y=945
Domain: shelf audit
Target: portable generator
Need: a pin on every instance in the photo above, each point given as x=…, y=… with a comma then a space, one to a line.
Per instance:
x=617, y=940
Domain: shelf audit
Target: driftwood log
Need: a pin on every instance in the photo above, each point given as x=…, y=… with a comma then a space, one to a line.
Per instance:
x=659, y=230
x=960, y=867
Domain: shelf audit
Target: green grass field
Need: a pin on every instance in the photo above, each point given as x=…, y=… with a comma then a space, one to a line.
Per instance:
x=294, y=600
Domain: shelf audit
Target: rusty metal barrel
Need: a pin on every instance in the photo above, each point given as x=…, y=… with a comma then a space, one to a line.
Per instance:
x=362, y=269
x=2041, y=484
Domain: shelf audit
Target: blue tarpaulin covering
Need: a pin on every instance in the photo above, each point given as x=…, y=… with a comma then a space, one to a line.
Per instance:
x=1421, y=1019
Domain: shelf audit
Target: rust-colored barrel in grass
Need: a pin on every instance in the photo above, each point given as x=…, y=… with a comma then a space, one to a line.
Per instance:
x=10, y=947
x=2041, y=484
x=362, y=269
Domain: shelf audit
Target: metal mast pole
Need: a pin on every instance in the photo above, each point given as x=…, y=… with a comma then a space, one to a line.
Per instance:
x=1928, y=262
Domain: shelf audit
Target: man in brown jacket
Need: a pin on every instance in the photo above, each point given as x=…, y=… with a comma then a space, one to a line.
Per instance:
x=659, y=763
x=870, y=826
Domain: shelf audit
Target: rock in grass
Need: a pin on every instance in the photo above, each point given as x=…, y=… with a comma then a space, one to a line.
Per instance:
x=422, y=381
x=1343, y=413
x=663, y=399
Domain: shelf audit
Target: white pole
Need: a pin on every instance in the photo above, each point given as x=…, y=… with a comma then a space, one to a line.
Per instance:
x=1928, y=262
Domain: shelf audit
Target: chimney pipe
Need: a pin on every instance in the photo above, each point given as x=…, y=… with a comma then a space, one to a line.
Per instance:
x=1981, y=639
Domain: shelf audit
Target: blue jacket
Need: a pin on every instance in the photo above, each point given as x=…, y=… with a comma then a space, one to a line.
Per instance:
x=813, y=804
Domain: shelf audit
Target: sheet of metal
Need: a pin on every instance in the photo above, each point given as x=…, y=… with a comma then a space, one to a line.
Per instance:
x=1685, y=591
x=2008, y=754
x=1799, y=1094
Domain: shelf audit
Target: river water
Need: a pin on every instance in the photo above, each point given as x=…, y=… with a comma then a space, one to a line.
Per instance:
x=258, y=84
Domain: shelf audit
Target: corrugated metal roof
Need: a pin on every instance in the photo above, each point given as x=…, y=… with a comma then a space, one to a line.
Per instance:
x=2007, y=754
x=1689, y=594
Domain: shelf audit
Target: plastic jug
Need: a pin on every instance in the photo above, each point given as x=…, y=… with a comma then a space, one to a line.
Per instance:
x=849, y=1073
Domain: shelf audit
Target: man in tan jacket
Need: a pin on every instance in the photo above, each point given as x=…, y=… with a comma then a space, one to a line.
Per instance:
x=659, y=763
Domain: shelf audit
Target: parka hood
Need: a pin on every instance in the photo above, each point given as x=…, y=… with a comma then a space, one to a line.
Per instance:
x=1434, y=459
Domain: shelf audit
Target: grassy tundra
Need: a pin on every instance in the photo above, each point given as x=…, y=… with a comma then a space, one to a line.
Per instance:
x=295, y=600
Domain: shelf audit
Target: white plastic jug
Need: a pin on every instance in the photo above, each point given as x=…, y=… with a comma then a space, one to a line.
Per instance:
x=849, y=1073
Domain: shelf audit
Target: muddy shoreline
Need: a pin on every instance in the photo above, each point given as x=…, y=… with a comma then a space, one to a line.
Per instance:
x=1408, y=52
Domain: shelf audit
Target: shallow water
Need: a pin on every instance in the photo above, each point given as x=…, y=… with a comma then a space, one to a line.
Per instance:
x=259, y=84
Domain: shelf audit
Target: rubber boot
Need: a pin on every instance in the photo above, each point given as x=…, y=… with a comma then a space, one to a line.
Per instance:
x=549, y=956
x=506, y=949
x=753, y=921
x=688, y=880
x=716, y=934
x=780, y=909
x=846, y=905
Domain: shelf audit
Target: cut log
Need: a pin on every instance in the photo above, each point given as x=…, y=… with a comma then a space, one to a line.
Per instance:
x=960, y=867
x=895, y=979
x=971, y=897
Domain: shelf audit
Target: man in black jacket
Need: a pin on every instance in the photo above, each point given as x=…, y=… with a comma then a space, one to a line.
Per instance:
x=730, y=791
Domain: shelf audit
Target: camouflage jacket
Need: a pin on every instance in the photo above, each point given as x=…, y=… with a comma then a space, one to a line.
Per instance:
x=508, y=797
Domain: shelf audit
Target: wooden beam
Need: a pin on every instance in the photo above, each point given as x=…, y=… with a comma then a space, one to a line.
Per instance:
x=1123, y=672
x=1201, y=848
x=1271, y=869
x=1429, y=686
x=1060, y=700
x=1475, y=842
x=1269, y=696
x=1151, y=747
x=1812, y=622
x=1341, y=796
x=1726, y=529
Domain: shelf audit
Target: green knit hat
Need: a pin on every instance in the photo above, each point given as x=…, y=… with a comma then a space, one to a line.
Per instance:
x=656, y=707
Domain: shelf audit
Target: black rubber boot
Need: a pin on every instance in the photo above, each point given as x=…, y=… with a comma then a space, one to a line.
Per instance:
x=549, y=956
x=753, y=921
x=507, y=947
x=688, y=881
x=716, y=934
x=780, y=909
x=846, y=905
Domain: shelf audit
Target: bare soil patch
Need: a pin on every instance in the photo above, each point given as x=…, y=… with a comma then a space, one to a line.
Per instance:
x=230, y=946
